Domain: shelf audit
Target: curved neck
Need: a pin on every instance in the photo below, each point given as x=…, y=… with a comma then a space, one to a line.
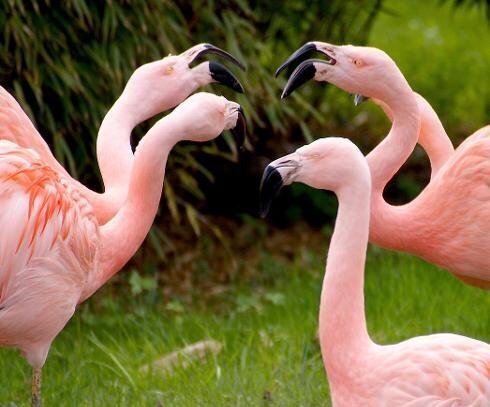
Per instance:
x=433, y=138
x=342, y=324
x=387, y=158
x=114, y=152
x=115, y=158
x=126, y=231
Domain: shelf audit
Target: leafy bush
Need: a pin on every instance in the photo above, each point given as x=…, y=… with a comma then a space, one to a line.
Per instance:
x=67, y=64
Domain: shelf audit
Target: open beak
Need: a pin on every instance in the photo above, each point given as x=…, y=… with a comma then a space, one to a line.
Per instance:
x=218, y=72
x=222, y=75
x=239, y=132
x=203, y=49
x=277, y=174
x=300, y=55
x=305, y=68
x=302, y=74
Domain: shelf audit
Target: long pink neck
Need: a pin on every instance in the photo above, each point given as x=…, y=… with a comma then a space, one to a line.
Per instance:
x=390, y=225
x=344, y=339
x=126, y=231
x=432, y=137
x=114, y=152
x=387, y=158
x=115, y=158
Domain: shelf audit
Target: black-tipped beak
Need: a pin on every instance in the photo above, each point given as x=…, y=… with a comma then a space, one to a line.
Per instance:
x=211, y=49
x=300, y=55
x=270, y=186
x=358, y=99
x=222, y=75
x=240, y=129
x=302, y=74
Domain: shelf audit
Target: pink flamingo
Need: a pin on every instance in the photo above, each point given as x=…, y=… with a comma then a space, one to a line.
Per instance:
x=442, y=370
x=53, y=252
x=448, y=223
x=432, y=136
x=161, y=84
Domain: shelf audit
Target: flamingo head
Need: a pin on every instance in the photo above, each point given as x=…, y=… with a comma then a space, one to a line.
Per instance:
x=204, y=116
x=161, y=85
x=364, y=71
x=331, y=163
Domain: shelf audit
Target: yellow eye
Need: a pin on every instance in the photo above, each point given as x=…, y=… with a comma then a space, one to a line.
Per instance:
x=357, y=62
x=168, y=70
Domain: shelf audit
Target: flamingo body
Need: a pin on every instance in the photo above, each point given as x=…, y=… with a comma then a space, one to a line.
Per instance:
x=441, y=370
x=54, y=253
x=44, y=263
x=448, y=224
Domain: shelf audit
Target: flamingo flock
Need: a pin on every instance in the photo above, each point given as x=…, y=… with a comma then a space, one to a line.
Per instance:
x=60, y=241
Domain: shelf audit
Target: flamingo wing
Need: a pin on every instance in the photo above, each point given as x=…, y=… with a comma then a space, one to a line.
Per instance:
x=450, y=216
x=49, y=247
x=16, y=127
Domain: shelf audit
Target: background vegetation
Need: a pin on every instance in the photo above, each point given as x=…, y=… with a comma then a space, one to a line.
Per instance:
x=68, y=64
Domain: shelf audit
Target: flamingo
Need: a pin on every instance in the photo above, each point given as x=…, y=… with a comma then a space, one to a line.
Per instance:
x=161, y=84
x=448, y=223
x=54, y=253
x=441, y=370
x=432, y=135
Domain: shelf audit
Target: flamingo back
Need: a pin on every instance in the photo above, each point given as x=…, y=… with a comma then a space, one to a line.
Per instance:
x=442, y=370
x=448, y=221
x=16, y=126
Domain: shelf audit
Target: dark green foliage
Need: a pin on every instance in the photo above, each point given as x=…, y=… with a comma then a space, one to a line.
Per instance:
x=67, y=65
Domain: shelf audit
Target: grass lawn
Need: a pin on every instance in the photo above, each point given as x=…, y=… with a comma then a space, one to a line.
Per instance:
x=270, y=354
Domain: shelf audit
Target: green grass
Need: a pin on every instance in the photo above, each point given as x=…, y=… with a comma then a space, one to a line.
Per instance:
x=267, y=328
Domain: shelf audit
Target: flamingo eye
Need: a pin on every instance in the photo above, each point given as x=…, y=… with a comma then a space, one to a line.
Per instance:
x=358, y=62
x=168, y=69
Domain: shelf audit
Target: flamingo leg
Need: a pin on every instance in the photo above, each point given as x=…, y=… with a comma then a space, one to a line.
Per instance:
x=36, y=387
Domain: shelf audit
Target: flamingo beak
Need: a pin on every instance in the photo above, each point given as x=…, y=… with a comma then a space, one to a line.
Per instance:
x=222, y=75
x=302, y=74
x=239, y=132
x=218, y=72
x=277, y=174
x=305, y=68
x=300, y=55
x=204, y=49
x=358, y=99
